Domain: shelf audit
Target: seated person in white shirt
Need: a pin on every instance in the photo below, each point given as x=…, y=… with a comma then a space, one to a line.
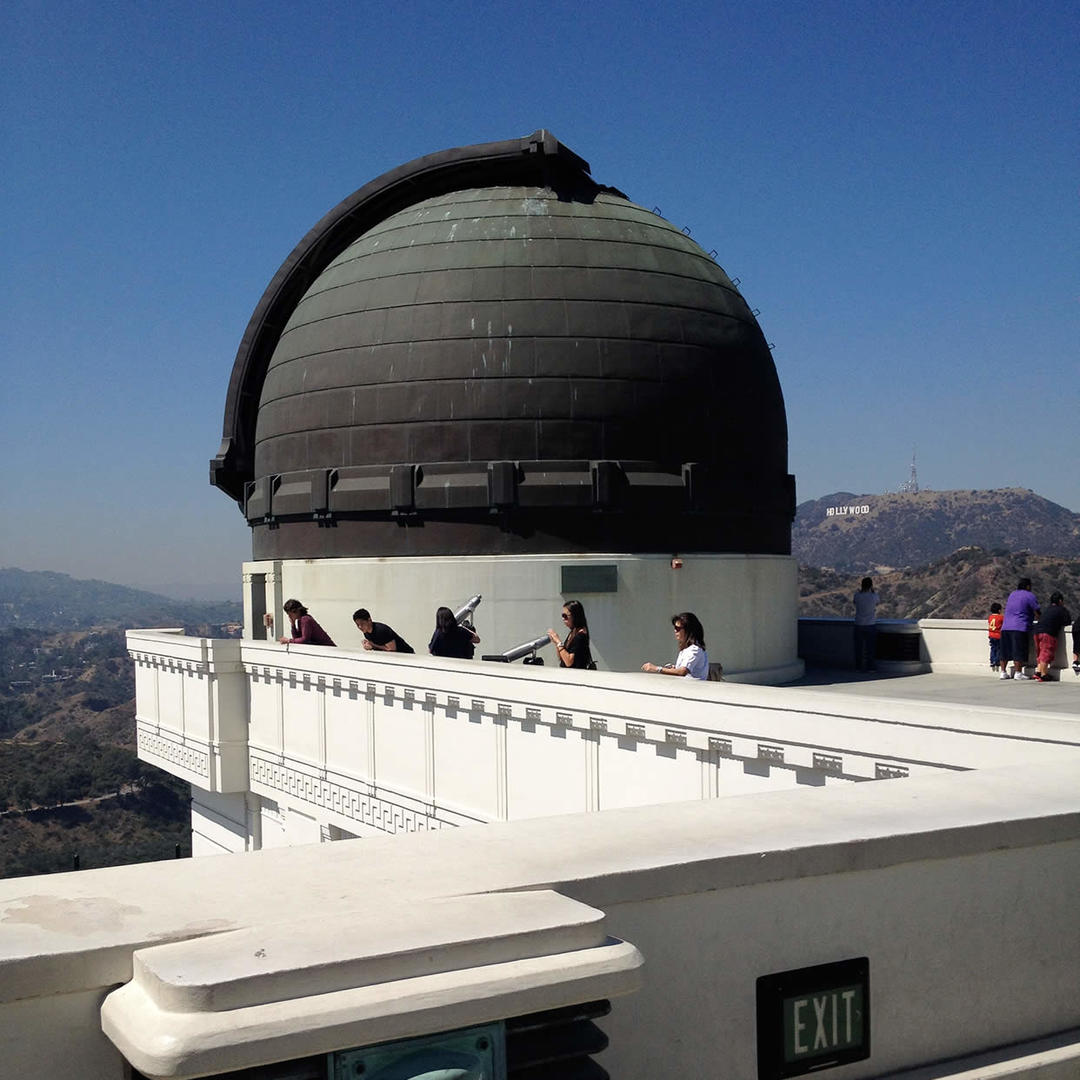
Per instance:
x=692, y=661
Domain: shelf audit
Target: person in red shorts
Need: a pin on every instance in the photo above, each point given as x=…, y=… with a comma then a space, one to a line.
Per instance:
x=1051, y=622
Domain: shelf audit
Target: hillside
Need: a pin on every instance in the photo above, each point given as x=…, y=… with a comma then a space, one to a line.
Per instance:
x=960, y=586
x=861, y=533
x=45, y=600
x=52, y=681
x=70, y=783
x=148, y=823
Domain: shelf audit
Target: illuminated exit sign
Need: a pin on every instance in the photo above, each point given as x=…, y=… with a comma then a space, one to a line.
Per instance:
x=813, y=1019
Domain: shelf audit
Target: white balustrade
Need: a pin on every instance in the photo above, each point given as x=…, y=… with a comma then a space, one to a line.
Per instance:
x=390, y=743
x=191, y=707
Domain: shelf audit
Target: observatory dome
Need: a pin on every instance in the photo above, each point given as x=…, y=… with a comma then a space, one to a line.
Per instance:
x=485, y=351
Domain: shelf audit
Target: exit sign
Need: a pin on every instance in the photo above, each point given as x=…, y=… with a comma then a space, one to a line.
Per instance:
x=814, y=1018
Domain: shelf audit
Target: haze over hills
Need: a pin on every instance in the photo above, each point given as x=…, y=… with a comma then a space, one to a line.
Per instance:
x=210, y=591
x=46, y=600
x=862, y=533
x=70, y=783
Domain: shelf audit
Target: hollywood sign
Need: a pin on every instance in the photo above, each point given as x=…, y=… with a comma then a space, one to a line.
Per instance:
x=842, y=511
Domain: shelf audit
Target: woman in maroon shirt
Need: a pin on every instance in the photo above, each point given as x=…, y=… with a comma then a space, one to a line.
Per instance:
x=305, y=630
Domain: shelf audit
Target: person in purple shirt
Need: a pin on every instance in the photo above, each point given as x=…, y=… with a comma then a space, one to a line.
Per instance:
x=1021, y=610
x=305, y=630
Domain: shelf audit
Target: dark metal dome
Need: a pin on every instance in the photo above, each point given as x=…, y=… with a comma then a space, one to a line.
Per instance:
x=495, y=352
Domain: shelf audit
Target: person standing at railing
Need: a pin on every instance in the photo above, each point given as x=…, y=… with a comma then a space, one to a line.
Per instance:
x=865, y=601
x=692, y=661
x=993, y=629
x=1047, y=630
x=378, y=636
x=305, y=630
x=1021, y=611
x=574, y=651
x=451, y=639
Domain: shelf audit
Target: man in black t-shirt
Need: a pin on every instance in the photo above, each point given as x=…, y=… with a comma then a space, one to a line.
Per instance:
x=378, y=635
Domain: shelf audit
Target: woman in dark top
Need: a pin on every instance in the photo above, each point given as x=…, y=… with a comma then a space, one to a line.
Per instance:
x=450, y=639
x=305, y=630
x=574, y=652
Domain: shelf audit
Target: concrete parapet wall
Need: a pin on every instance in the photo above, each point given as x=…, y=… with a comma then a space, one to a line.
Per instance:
x=958, y=888
x=367, y=743
x=950, y=645
x=829, y=643
x=962, y=645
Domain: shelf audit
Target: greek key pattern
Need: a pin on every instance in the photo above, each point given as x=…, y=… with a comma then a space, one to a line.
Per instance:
x=173, y=751
x=358, y=806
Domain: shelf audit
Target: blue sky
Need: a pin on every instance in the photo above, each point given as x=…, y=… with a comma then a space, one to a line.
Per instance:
x=895, y=184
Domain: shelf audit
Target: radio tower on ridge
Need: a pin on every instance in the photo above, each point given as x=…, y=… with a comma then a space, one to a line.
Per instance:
x=912, y=485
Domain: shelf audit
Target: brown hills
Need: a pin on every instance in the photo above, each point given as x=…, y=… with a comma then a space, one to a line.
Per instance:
x=867, y=533
x=70, y=783
x=960, y=586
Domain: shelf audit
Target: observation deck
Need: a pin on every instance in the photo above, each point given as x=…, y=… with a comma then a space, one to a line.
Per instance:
x=651, y=847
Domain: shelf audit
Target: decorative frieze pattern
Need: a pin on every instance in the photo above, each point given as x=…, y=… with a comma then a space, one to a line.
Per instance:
x=183, y=755
x=770, y=752
x=172, y=664
x=828, y=763
x=359, y=805
x=593, y=727
x=883, y=771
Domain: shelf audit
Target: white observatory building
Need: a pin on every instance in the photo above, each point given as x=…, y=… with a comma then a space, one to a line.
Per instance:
x=485, y=373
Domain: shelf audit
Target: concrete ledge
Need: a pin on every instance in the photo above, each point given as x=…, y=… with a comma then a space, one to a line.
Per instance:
x=1053, y=1058
x=288, y=990
x=946, y=881
x=68, y=932
x=775, y=676
x=288, y=960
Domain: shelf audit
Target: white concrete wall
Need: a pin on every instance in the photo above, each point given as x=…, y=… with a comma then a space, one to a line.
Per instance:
x=220, y=823
x=959, y=888
x=959, y=646
x=962, y=645
x=376, y=742
x=191, y=707
x=58, y=1035
x=747, y=603
x=948, y=977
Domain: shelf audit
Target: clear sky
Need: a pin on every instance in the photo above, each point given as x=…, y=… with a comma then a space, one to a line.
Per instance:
x=895, y=184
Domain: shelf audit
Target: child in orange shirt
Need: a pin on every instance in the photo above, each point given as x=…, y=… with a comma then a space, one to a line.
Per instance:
x=993, y=626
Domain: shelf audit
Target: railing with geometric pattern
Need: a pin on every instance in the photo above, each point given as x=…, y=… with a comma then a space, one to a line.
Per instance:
x=393, y=743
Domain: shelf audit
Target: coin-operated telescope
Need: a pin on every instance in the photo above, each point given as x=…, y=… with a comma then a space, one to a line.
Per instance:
x=463, y=614
x=526, y=649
